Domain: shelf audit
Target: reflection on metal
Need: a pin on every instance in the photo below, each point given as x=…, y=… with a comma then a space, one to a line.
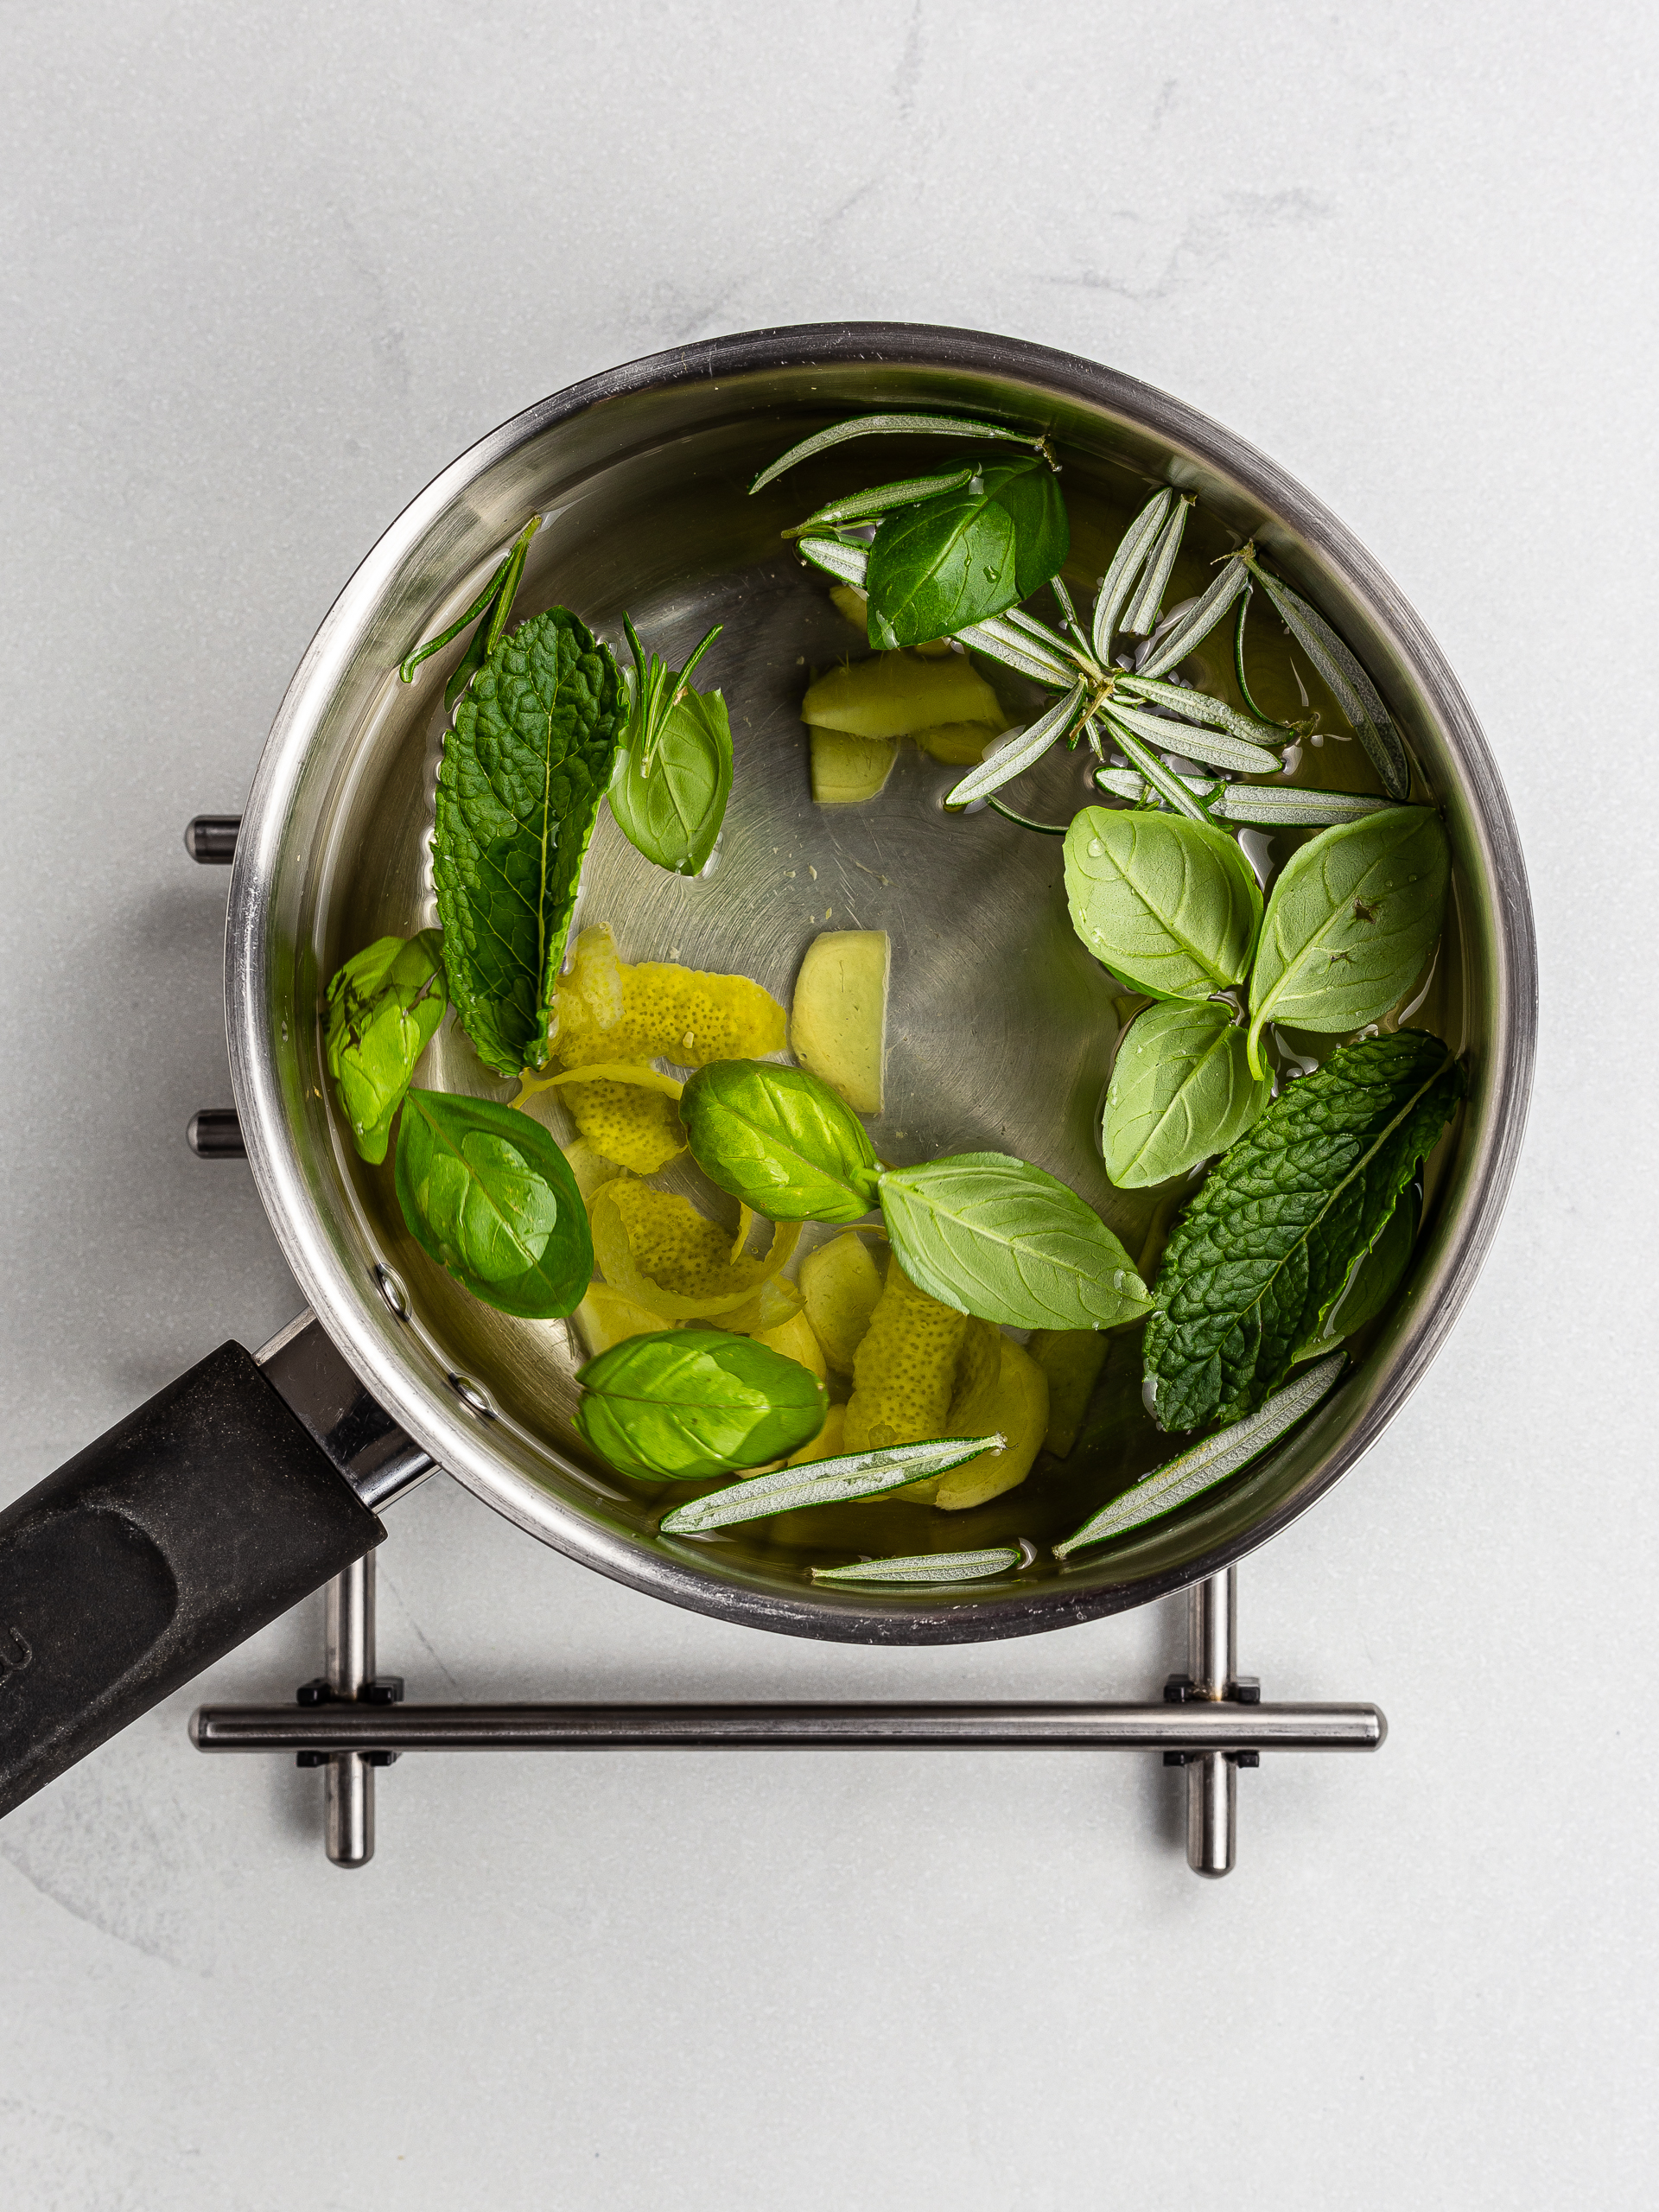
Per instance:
x=1211, y=1721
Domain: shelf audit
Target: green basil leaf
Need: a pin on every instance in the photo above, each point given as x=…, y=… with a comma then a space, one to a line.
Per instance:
x=684, y=1404
x=1262, y=1254
x=1207, y=1463
x=1181, y=1090
x=487, y=1193
x=383, y=1008
x=1346, y=681
x=950, y=562
x=928, y=1566
x=1171, y=905
x=1353, y=916
x=1126, y=565
x=906, y=426
x=828, y=1482
x=998, y=1238
x=523, y=773
x=671, y=809
x=1267, y=806
x=781, y=1141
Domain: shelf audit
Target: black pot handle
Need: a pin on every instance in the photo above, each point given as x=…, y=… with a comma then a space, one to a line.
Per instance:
x=194, y=1521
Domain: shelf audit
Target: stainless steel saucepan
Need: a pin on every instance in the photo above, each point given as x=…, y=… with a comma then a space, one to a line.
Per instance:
x=250, y=1482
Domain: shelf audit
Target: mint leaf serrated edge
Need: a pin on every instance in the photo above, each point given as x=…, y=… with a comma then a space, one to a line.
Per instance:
x=1217, y=1347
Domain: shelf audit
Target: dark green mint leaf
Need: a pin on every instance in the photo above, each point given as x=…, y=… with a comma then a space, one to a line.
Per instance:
x=523, y=773
x=486, y=1193
x=1353, y=916
x=383, y=1008
x=950, y=562
x=670, y=808
x=1181, y=1090
x=781, y=1141
x=684, y=1404
x=828, y=1482
x=907, y=426
x=1171, y=905
x=996, y=1237
x=1374, y=1278
x=1207, y=1463
x=1262, y=1254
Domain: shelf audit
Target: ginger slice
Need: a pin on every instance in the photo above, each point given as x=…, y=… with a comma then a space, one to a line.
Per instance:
x=893, y=693
x=959, y=744
x=838, y=1022
x=845, y=770
x=606, y=1010
x=904, y=1370
x=841, y=1283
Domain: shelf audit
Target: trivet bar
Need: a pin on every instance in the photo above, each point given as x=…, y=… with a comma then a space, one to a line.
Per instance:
x=1201, y=1729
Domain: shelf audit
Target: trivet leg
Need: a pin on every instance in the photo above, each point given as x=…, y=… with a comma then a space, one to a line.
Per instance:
x=1212, y=1776
x=349, y=1633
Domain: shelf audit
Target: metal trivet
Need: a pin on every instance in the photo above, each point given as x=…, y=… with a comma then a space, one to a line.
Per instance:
x=350, y=1720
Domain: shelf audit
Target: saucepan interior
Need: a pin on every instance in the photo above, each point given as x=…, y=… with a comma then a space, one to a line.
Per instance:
x=1000, y=1026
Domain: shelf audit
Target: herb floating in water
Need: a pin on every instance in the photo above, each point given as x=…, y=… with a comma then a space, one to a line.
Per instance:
x=781, y=1141
x=683, y=1404
x=673, y=771
x=929, y=1567
x=827, y=1482
x=1181, y=1092
x=384, y=1006
x=488, y=1194
x=492, y=611
x=1263, y=1251
x=1172, y=906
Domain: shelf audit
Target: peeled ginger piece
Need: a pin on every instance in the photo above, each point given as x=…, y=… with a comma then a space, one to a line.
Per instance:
x=841, y=1284
x=845, y=770
x=959, y=744
x=1008, y=1396
x=606, y=1316
x=839, y=1020
x=606, y=1010
x=1071, y=1359
x=891, y=694
x=904, y=1370
x=829, y=1441
x=794, y=1339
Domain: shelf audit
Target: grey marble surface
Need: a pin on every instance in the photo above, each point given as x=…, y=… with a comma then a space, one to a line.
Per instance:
x=265, y=270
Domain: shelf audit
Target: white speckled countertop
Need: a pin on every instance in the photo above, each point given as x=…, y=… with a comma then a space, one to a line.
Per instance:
x=266, y=268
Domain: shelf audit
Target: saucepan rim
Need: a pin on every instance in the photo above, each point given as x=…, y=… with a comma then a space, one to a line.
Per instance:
x=443, y=1424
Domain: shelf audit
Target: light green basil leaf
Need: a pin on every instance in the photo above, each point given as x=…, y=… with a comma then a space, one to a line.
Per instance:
x=1126, y=565
x=828, y=1482
x=996, y=1237
x=683, y=1404
x=1181, y=1090
x=1353, y=916
x=1262, y=1254
x=1346, y=681
x=519, y=784
x=1218, y=749
x=1209, y=1463
x=950, y=562
x=890, y=426
x=1376, y=1275
x=670, y=807
x=486, y=1193
x=383, y=1008
x=928, y=1566
x=1171, y=905
x=781, y=1141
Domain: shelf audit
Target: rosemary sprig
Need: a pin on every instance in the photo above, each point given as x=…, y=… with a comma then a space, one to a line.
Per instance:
x=1347, y=682
x=654, y=693
x=1141, y=619
x=495, y=600
x=879, y=499
x=1264, y=806
x=910, y=426
x=826, y=1482
x=928, y=1566
x=1021, y=752
x=1126, y=565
